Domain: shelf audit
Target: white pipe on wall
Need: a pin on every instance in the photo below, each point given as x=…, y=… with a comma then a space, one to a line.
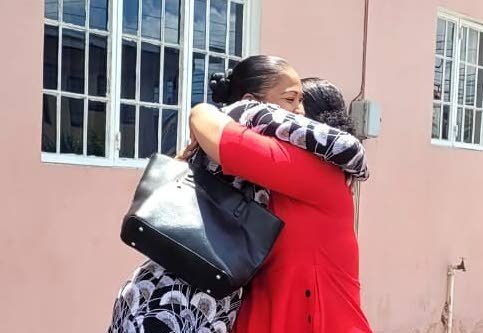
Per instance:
x=449, y=306
x=450, y=297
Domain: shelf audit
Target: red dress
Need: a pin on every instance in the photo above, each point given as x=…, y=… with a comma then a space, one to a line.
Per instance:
x=310, y=281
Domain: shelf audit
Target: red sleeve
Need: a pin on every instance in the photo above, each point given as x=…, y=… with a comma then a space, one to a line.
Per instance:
x=277, y=165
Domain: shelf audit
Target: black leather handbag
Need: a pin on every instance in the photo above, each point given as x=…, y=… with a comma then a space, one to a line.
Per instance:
x=198, y=227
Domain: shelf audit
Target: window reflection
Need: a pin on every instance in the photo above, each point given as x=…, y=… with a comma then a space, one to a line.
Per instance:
x=199, y=33
x=198, y=79
x=169, y=132
x=72, y=126
x=73, y=47
x=436, y=121
x=440, y=34
x=468, y=126
x=150, y=58
x=172, y=21
x=128, y=70
x=151, y=22
x=97, y=65
x=49, y=124
x=218, y=19
x=171, y=76
x=128, y=130
x=236, y=28
x=438, y=79
x=98, y=14
x=148, y=131
x=470, y=85
x=96, y=129
x=51, y=9
x=75, y=12
x=130, y=17
x=51, y=44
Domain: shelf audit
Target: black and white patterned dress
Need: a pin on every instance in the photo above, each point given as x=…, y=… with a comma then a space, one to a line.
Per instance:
x=155, y=301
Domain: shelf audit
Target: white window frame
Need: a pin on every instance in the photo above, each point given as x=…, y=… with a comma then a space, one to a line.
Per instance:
x=460, y=21
x=251, y=40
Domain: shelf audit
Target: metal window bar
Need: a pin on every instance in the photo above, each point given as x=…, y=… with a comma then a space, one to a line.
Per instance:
x=115, y=36
x=59, y=93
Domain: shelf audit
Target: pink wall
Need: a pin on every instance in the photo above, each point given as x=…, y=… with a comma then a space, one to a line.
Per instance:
x=62, y=262
x=421, y=208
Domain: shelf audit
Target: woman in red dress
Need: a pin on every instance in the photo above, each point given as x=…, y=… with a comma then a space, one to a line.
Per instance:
x=310, y=282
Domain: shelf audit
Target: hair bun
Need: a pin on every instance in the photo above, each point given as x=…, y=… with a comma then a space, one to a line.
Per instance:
x=220, y=85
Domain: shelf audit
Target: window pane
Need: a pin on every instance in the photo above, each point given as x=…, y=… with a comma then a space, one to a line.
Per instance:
x=97, y=65
x=171, y=76
x=51, y=44
x=130, y=17
x=128, y=75
x=448, y=77
x=440, y=34
x=450, y=39
x=216, y=65
x=463, y=44
x=218, y=25
x=472, y=46
x=468, y=129
x=436, y=121
x=199, y=35
x=461, y=84
x=198, y=79
x=75, y=12
x=479, y=89
x=480, y=61
x=171, y=29
x=96, y=129
x=98, y=14
x=151, y=23
x=169, y=132
x=470, y=85
x=459, y=124
x=445, y=123
x=438, y=79
x=72, y=126
x=51, y=9
x=148, y=131
x=236, y=28
x=127, y=129
x=49, y=124
x=477, y=127
x=150, y=57
x=73, y=47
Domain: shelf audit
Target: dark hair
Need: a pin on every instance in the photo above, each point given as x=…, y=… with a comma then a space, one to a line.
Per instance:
x=324, y=102
x=253, y=75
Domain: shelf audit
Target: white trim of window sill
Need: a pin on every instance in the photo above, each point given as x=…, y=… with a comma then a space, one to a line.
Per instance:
x=76, y=160
x=442, y=143
x=456, y=145
x=468, y=146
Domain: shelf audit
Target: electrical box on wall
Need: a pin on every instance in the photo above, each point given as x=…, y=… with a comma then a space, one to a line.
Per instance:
x=366, y=116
